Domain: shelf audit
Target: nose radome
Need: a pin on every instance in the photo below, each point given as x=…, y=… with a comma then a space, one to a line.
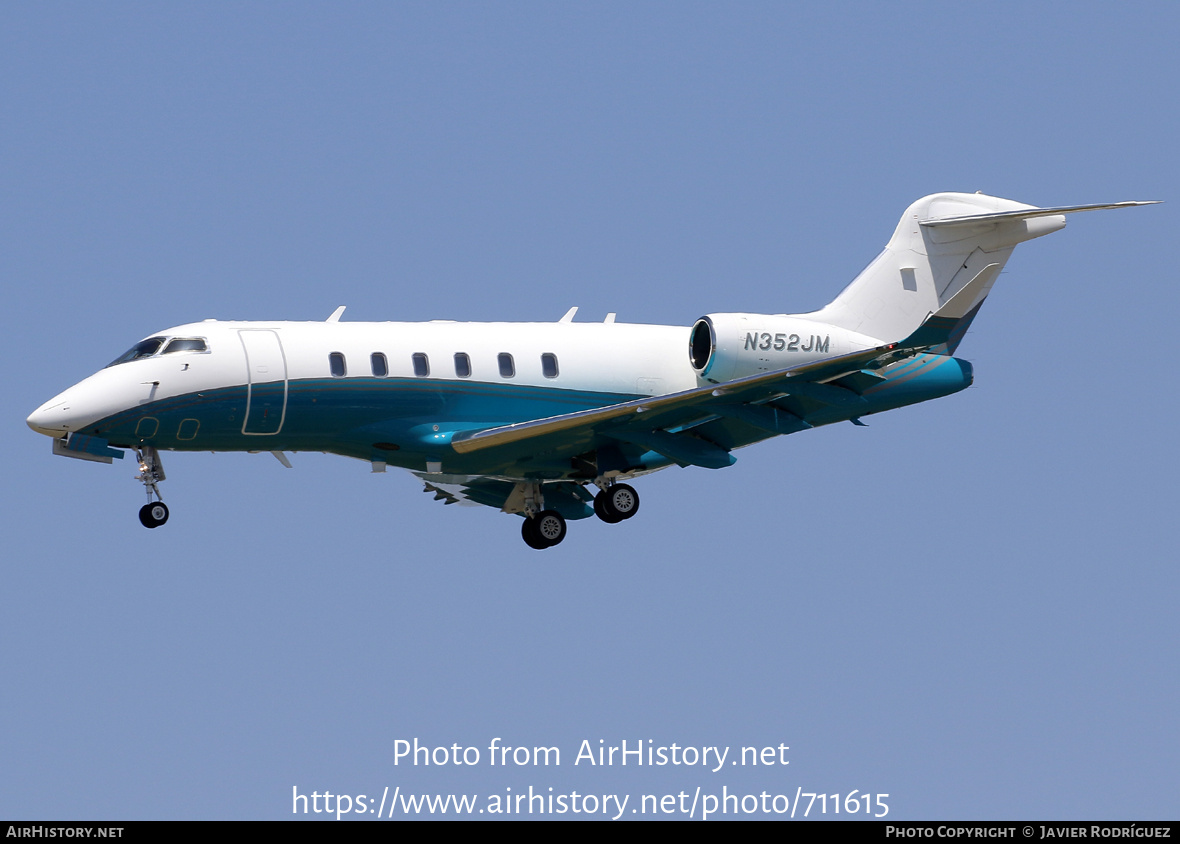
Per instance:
x=92, y=399
x=50, y=418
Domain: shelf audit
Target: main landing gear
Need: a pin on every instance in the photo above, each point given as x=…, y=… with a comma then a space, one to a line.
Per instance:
x=542, y=528
x=151, y=472
x=545, y=528
x=615, y=503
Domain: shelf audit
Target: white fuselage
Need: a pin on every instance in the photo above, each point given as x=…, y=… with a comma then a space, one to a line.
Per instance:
x=612, y=359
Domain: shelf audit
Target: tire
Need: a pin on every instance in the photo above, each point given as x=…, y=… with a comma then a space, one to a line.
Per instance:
x=622, y=501
x=550, y=527
x=528, y=532
x=153, y=515
x=600, y=509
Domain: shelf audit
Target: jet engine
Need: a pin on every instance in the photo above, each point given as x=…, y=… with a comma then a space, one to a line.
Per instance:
x=723, y=347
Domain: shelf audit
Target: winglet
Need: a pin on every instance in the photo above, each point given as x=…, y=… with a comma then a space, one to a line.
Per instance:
x=336, y=314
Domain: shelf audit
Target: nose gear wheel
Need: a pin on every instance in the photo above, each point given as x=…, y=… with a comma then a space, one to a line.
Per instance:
x=153, y=515
x=151, y=472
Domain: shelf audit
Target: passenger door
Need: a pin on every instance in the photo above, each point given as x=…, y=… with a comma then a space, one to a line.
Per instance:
x=266, y=381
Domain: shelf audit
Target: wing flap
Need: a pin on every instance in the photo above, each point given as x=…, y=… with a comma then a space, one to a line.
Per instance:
x=685, y=449
x=774, y=420
x=650, y=413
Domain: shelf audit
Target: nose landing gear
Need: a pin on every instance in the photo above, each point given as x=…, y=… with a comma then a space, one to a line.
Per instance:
x=153, y=515
x=151, y=472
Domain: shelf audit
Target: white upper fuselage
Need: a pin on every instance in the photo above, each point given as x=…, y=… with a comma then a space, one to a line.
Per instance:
x=615, y=359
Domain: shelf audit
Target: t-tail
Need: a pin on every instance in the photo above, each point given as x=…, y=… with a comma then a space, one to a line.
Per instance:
x=925, y=288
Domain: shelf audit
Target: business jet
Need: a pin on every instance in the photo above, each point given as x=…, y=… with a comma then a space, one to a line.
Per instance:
x=525, y=417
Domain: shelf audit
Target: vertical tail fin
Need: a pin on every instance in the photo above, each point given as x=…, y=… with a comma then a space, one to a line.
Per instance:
x=945, y=245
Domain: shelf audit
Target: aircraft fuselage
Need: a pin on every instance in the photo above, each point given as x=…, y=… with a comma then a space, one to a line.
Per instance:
x=525, y=416
x=396, y=392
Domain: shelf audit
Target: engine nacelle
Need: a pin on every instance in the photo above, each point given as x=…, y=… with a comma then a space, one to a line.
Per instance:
x=723, y=347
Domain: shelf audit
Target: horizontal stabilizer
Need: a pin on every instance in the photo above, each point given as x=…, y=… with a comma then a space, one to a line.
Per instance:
x=1026, y=214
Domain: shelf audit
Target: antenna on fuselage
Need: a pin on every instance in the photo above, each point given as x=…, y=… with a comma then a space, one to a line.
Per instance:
x=335, y=317
x=569, y=315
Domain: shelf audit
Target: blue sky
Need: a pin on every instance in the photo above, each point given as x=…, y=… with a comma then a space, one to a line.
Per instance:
x=969, y=605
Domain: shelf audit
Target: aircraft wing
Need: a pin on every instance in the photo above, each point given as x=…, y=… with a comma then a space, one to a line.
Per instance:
x=665, y=424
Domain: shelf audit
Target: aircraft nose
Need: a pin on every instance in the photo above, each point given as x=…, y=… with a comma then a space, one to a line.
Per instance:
x=50, y=418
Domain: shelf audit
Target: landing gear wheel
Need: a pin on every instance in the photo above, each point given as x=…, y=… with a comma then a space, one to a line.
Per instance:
x=616, y=503
x=600, y=509
x=528, y=532
x=550, y=527
x=153, y=515
x=543, y=530
x=623, y=500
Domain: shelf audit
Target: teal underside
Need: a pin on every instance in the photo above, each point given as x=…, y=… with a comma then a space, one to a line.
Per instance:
x=409, y=422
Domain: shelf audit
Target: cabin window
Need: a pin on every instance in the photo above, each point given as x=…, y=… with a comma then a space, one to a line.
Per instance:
x=336, y=365
x=462, y=365
x=142, y=349
x=185, y=344
x=380, y=364
x=507, y=367
x=421, y=364
x=549, y=365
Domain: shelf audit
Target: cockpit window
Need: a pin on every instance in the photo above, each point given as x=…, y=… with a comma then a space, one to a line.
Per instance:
x=185, y=344
x=142, y=349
